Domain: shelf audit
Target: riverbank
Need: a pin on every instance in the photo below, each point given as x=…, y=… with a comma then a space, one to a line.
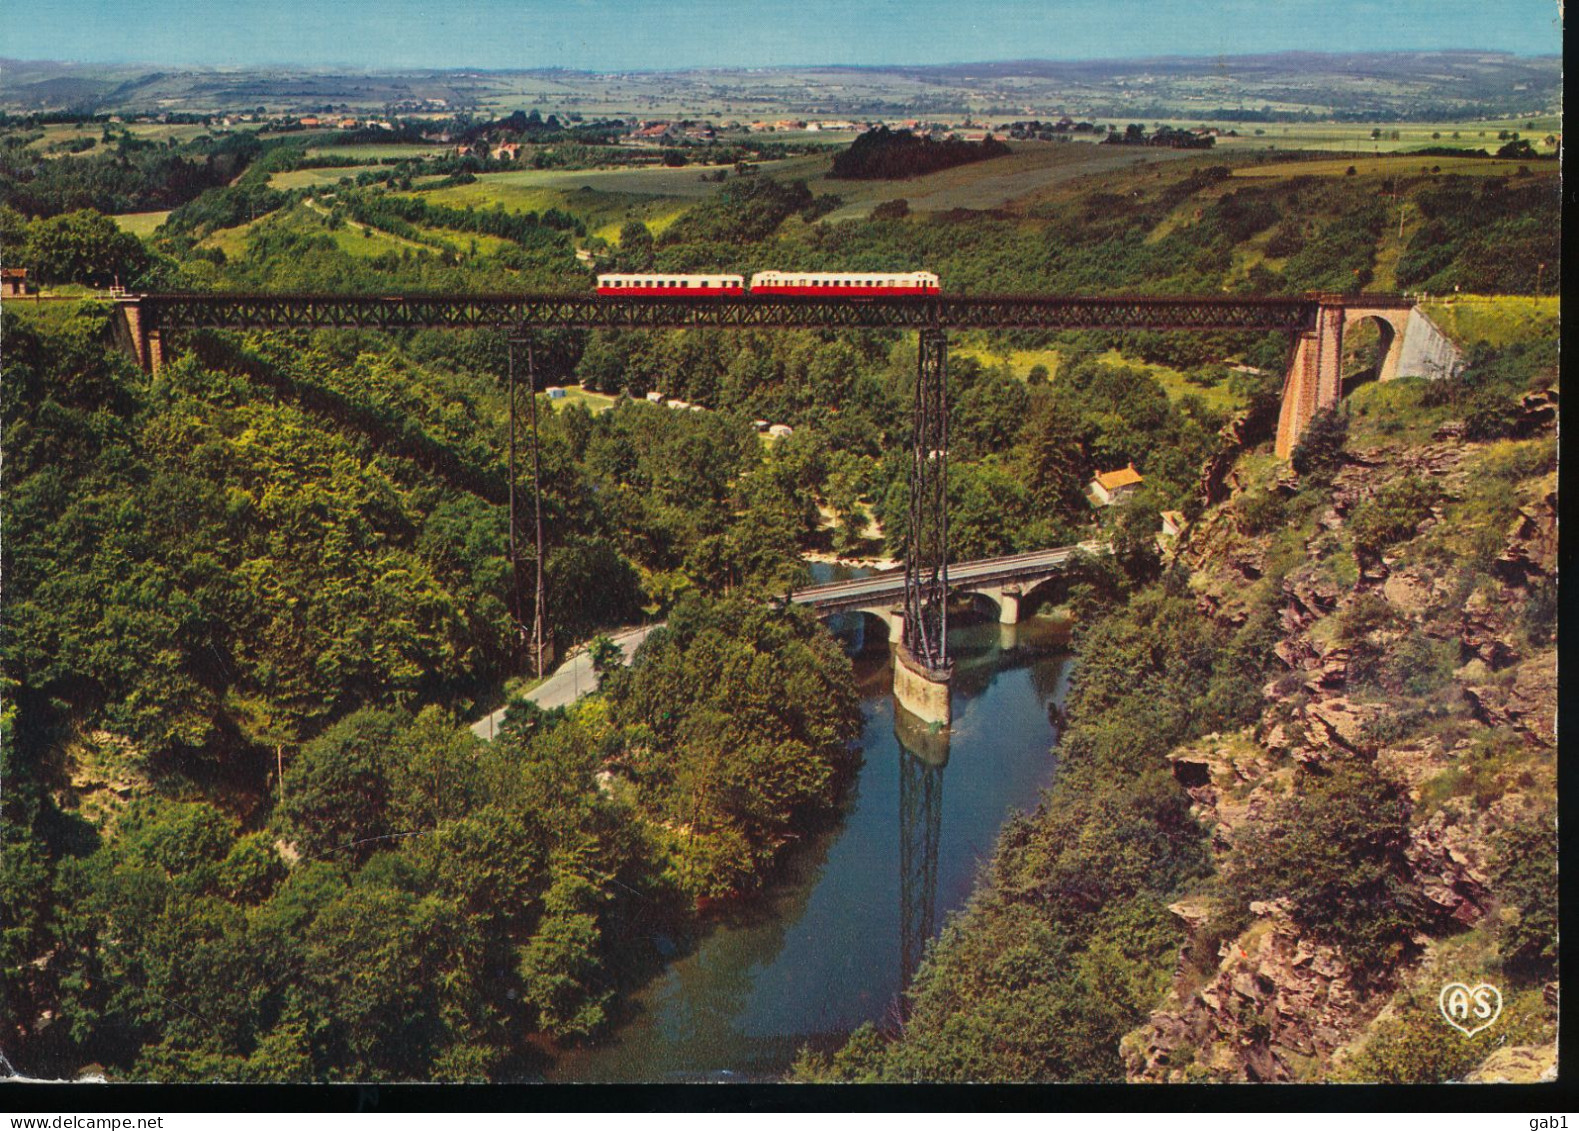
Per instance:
x=834, y=937
x=876, y=564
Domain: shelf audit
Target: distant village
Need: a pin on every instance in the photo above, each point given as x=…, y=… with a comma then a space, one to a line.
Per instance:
x=433, y=121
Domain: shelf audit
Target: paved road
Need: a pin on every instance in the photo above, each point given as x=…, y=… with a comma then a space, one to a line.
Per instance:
x=569, y=682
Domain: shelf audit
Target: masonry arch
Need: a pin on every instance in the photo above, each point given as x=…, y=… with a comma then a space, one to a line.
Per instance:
x=1049, y=591
x=985, y=603
x=1370, y=342
x=865, y=631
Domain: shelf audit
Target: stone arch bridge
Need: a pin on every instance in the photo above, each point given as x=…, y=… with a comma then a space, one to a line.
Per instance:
x=1011, y=583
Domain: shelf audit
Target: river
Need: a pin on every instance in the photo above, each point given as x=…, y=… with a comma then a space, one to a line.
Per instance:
x=838, y=933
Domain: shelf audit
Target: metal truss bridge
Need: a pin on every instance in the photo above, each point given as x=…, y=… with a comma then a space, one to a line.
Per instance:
x=156, y=312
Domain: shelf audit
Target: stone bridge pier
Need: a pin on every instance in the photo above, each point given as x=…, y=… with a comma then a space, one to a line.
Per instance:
x=1410, y=346
x=134, y=335
x=923, y=692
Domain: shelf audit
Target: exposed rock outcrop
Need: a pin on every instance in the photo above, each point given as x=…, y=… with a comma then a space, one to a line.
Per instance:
x=1276, y=999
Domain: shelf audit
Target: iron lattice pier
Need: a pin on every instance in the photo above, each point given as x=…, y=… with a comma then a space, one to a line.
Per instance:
x=926, y=549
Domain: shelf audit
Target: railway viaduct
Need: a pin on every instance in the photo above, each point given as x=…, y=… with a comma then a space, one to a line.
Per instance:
x=1408, y=344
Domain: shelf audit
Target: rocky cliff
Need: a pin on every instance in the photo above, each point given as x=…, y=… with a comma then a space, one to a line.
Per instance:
x=1426, y=653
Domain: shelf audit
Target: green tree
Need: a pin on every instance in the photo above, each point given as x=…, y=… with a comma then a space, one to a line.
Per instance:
x=1335, y=849
x=1319, y=452
x=606, y=655
x=636, y=247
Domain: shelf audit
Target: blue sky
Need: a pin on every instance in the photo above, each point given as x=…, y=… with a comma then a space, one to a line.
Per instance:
x=667, y=34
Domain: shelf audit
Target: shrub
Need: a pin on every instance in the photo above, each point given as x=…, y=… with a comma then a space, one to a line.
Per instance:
x=1261, y=511
x=1415, y=1047
x=1526, y=880
x=1319, y=452
x=1538, y=617
x=1391, y=515
x=1490, y=415
x=891, y=210
x=1335, y=850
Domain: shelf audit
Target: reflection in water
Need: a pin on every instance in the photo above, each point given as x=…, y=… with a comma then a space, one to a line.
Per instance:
x=840, y=931
x=920, y=827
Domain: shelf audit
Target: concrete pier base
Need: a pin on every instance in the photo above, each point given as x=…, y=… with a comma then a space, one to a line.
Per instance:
x=920, y=690
x=922, y=740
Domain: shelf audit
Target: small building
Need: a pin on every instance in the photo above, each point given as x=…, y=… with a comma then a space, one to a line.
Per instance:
x=555, y=393
x=13, y=281
x=780, y=430
x=655, y=398
x=678, y=404
x=760, y=425
x=507, y=151
x=1111, y=487
x=1172, y=524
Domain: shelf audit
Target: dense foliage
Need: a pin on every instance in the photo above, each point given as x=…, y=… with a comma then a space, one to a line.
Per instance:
x=1335, y=850
x=889, y=155
x=125, y=174
x=292, y=549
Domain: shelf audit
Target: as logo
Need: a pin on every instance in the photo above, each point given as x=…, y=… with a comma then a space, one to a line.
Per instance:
x=1470, y=1010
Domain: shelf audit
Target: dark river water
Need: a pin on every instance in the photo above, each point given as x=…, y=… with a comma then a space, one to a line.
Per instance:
x=838, y=934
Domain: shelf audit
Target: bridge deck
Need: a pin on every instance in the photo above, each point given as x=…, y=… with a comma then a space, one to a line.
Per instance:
x=890, y=584
x=1046, y=312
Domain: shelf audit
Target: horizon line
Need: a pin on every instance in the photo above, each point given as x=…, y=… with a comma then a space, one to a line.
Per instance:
x=713, y=68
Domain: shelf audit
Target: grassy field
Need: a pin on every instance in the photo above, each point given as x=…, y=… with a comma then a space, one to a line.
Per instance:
x=1020, y=363
x=603, y=199
x=1356, y=137
x=141, y=224
x=147, y=131
x=312, y=178
x=1216, y=397
x=1498, y=320
x=352, y=238
x=606, y=198
x=377, y=152
x=1390, y=166
x=1023, y=179
x=593, y=402
x=232, y=241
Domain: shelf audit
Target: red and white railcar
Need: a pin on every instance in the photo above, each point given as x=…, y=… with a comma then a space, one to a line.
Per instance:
x=835, y=283
x=681, y=285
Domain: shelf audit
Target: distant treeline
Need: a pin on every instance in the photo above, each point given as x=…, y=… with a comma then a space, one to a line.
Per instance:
x=125, y=175
x=399, y=214
x=889, y=155
x=1165, y=136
